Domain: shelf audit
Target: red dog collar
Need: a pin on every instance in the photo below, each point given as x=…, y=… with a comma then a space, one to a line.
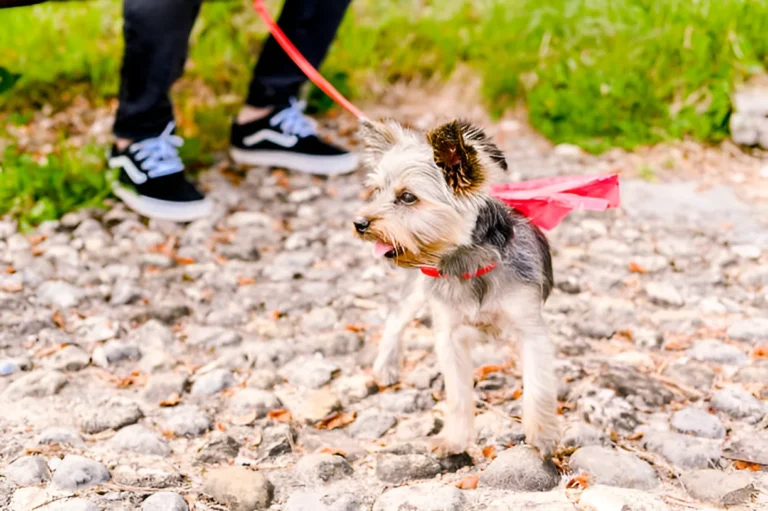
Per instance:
x=433, y=272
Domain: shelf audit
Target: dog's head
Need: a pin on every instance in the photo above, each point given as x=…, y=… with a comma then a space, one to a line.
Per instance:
x=426, y=188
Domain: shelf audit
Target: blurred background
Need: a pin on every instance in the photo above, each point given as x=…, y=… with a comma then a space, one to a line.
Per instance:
x=595, y=73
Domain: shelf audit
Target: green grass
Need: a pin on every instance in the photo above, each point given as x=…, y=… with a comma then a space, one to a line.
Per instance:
x=597, y=73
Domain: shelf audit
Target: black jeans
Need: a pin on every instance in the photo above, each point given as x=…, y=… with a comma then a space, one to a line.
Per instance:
x=156, y=36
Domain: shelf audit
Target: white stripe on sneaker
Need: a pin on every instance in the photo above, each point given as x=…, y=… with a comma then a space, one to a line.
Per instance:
x=125, y=163
x=280, y=139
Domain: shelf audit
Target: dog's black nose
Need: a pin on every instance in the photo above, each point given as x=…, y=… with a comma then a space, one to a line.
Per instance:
x=361, y=224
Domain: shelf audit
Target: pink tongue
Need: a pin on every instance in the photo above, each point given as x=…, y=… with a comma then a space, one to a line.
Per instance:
x=381, y=248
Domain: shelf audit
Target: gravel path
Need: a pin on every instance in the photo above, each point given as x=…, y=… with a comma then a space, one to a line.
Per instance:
x=226, y=364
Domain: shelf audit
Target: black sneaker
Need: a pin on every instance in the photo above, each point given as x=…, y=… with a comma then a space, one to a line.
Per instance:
x=152, y=181
x=287, y=139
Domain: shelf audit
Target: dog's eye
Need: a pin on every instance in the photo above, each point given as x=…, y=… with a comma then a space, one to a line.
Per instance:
x=407, y=198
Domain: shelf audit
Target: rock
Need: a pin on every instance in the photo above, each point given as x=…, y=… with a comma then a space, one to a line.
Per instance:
x=532, y=501
x=397, y=469
x=212, y=337
x=323, y=500
x=739, y=404
x=595, y=328
x=146, y=473
x=581, y=434
x=253, y=400
x=337, y=343
x=58, y=294
x=605, y=409
x=422, y=426
x=664, y=294
x=70, y=358
x=751, y=447
x=614, y=468
x=319, y=319
x=311, y=406
x=239, y=488
x=520, y=468
x=96, y=329
x=454, y=462
x=750, y=330
x=28, y=471
x=647, y=339
x=422, y=497
x=165, y=501
x=422, y=377
x=70, y=505
x=124, y=292
x=152, y=333
x=630, y=382
x=212, y=383
x=371, y=424
x=41, y=383
x=712, y=350
x=322, y=468
x=219, y=448
x=693, y=375
x=682, y=450
x=187, y=421
x=249, y=219
x=309, y=372
x=608, y=498
x=697, y=422
x=114, y=351
x=114, y=414
x=711, y=485
x=8, y=367
x=163, y=386
x=277, y=439
x=140, y=439
x=755, y=372
x=406, y=401
x=262, y=379
x=78, y=473
x=64, y=436
x=355, y=388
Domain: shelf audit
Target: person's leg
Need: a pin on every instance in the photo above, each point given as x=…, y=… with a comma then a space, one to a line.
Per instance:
x=311, y=25
x=156, y=36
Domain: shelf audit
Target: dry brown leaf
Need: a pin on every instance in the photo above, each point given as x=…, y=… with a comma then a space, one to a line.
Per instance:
x=9, y=270
x=355, y=328
x=578, y=481
x=489, y=452
x=58, y=319
x=245, y=281
x=49, y=350
x=277, y=314
x=469, y=482
x=12, y=287
x=220, y=426
x=760, y=351
x=636, y=268
x=333, y=450
x=184, y=260
x=481, y=373
x=167, y=433
x=172, y=400
x=745, y=465
x=244, y=420
x=337, y=420
x=563, y=406
x=637, y=435
x=280, y=415
x=517, y=393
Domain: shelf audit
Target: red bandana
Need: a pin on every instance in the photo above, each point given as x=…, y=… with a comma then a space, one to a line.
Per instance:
x=433, y=272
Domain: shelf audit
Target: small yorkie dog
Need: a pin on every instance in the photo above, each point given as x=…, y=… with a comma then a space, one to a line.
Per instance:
x=481, y=267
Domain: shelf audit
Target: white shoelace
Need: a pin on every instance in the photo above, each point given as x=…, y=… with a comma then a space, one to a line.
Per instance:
x=292, y=120
x=159, y=156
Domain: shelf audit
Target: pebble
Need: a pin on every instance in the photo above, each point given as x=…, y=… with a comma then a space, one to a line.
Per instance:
x=697, y=422
x=124, y=292
x=751, y=447
x=337, y=343
x=114, y=351
x=114, y=414
x=40, y=383
x=240, y=489
x=212, y=383
x=70, y=505
x=219, y=448
x=664, y=294
x=323, y=500
x=322, y=468
x=712, y=350
x=146, y=472
x=256, y=401
x=372, y=424
x=608, y=498
x=755, y=372
x=212, y=337
x=309, y=372
x=406, y=401
x=739, y=404
x=396, y=468
x=79, y=473
x=614, y=468
x=580, y=434
x=187, y=421
x=319, y=319
x=8, y=367
x=96, y=329
x=28, y=471
x=139, y=439
x=422, y=497
x=697, y=376
x=711, y=485
x=531, y=501
x=353, y=389
x=164, y=386
x=262, y=379
x=311, y=406
x=682, y=450
x=520, y=468
x=630, y=382
x=64, y=436
x=164, y=501
x=70, y=358
x=59, y=294
x=750, y=330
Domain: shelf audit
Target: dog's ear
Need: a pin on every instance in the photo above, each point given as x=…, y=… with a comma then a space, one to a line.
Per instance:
x=465, y=154
x=378, y=138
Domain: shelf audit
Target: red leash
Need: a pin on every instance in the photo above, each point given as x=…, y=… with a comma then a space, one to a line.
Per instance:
x=307, y=68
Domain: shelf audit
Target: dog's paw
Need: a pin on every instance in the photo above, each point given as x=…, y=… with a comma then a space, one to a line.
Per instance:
x=386, y=371
x=443, y=446
x=543, y=441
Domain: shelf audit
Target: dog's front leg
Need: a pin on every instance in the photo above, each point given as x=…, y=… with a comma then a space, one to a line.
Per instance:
x=386, y=367
x=452, y=343
x=523, y=309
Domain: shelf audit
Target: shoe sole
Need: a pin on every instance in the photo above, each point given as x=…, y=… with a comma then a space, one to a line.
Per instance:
x=161, y=209
x=316, y=165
